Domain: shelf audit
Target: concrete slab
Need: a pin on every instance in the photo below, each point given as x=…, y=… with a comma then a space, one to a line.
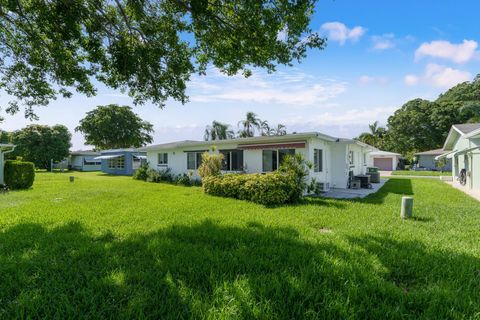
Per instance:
x=353, y=193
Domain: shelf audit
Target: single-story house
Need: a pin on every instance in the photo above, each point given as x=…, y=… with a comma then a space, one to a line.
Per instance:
x=121, y=161
x=463, y=147
x=384, y=160
x=426, y=160
x=334, y=160
x=84, y=161
x=4, y=149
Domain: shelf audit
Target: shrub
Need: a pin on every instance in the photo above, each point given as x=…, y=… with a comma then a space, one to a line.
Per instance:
x=184, y=180
x=211, y=165
x=267, y=189
x=153, y=175
x=19, y=174
x=141, y=173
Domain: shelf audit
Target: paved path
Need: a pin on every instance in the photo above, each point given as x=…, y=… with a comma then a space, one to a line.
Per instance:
x=353, y=193
x=472, y=193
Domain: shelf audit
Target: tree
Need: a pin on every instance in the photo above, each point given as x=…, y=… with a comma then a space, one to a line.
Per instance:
x=248, y=125
x=148, y=48
x=280, y=130
x=264, y=128
x=218, y=131
x=41, y=144
x=376, y=136
x=114, y=126
x=4, y=136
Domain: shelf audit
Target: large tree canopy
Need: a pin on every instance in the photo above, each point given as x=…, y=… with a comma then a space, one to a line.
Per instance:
x=41, y=144
x=113, y=126
x=421, y=125
x=148, y=48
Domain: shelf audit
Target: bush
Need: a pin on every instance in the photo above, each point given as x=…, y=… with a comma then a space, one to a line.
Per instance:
x=141, y=173
x=267, y=189
x=184, y=180
x=211, y=165
x=19, y=174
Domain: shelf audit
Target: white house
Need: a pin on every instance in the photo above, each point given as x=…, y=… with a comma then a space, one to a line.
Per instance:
x=384, y=160
x=463, y=147
x=334, y=159
x=4, y=149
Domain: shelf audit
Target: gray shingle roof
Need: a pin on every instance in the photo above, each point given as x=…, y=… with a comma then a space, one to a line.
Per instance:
x=435, y=152
x=467, y=127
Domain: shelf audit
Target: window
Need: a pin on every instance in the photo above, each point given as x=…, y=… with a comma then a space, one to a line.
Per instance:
x=194, y=160
x=162, y=159
x=317, y=160
x=350, y=157
x=232, y=160
x=116, y=163
x=271, y=159
x=91, y=161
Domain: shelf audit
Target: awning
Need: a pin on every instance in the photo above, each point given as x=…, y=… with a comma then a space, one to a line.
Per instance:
x=447, y=155
x=289, y=145
x=110, y=156
x=140, y=157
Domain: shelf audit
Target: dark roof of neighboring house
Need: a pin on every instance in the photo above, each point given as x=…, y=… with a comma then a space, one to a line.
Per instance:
x=435, y=152
x=467, y=127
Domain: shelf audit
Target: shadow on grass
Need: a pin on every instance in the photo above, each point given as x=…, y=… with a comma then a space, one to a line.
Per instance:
x=210, y=270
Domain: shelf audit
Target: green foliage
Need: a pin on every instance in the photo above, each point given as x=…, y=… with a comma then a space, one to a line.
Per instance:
x=149, y=49
x=376, y=137
x=421, y=125
x=114, y=127
x=41, y=144
x=283, y=186
x=211, y=165
x=4, y=136
x=19, y=174
x=142, y=172
x=267, y=189
x=218, y=131
x=249, y=125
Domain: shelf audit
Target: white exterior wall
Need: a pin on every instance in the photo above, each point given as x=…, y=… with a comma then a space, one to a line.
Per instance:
x=335, y=159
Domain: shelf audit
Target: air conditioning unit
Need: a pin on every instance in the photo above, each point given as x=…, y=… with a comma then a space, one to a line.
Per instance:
x=324, y=186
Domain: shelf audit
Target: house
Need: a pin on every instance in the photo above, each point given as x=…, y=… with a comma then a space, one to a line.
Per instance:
x=4, y=149
x=334, y=159
x=426, y=160
x=121, y=161
x=384, y=160
x=84, y=161
x=462, y=146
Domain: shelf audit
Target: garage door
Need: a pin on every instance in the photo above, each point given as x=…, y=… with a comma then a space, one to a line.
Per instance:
x=384, y=164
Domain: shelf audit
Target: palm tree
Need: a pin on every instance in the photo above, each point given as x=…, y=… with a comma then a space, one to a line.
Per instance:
x=265, y=129
x=280, y=130
x=375, y=137
x=248, y=125
x=218, y=131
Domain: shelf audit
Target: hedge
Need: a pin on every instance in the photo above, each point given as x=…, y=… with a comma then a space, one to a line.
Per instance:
x=19, y=174
x=267, y=189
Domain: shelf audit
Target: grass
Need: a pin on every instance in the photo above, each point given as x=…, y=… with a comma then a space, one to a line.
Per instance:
x=421, y=173
x=112, y=247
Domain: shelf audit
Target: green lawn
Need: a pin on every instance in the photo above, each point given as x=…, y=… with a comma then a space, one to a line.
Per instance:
x=421, y=173
x=112, y=247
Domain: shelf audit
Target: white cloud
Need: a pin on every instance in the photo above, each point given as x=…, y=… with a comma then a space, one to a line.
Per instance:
x=439, y=76
x=411, y=80
x=337, y=31
x=458, y=53
x=364, y=80
x=383, y=42
x=292, y=88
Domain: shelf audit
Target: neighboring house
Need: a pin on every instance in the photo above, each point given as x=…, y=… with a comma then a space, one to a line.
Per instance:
x=384, y=160
x=84, y=161
x=4, y=149
x=426, y=160
x=333, y=158
x=463, y=147
x=121, y=161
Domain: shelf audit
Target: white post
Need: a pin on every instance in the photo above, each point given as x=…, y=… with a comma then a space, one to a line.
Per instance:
x=406, y=211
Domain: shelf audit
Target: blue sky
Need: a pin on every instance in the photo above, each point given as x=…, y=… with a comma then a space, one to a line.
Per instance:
x=380, y=54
